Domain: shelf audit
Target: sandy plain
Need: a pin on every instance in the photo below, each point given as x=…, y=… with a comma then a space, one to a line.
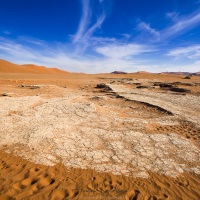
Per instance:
x=104, y=136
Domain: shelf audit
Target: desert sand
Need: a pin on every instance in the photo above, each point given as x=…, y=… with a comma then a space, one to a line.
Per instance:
x=103, y=136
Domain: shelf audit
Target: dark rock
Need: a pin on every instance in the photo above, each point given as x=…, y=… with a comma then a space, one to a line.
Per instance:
x=174, y=89
x=165, y=85
x=157, y=83
x=5, y=94
x=118, y=72
x=142, y=86
x=104, y=87
x=187, y=77
x=35, y=87
x=119, y=97
x=101, y=85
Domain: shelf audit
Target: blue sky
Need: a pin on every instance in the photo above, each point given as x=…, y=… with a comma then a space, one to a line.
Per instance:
x=96, y=36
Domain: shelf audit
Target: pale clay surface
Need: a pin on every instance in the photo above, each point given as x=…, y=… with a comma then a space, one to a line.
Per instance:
x=185, y=106
x=67, y=130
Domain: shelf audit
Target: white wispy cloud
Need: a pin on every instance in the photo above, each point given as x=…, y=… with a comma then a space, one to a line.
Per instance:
x=54, y=55
x=174, y=16
x=11, y=49
x=182, y=24
x=126, y=36
x=86, y=29
x=31, y=40
x=92, y=29
x=85, y=20
x=192, y=52
x=42, y=55
x=123, y=50
x=143, y=26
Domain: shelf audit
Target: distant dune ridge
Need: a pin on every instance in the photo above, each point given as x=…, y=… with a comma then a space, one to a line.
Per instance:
x=197, y=73
x=118, y=72
x=170, y=73
x=8, y=67
x=183, y=73
x=143, y=72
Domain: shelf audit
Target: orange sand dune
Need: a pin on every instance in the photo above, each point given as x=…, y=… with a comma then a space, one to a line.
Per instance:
x=8, y=67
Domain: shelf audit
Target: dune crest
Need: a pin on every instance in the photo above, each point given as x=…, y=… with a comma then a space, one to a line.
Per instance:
x=8, y=67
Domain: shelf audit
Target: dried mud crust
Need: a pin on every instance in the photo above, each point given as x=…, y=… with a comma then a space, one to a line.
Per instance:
x=107, y=135
x=185, y=129
x=21, y=179
x=127, y=108
x=187, y=107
